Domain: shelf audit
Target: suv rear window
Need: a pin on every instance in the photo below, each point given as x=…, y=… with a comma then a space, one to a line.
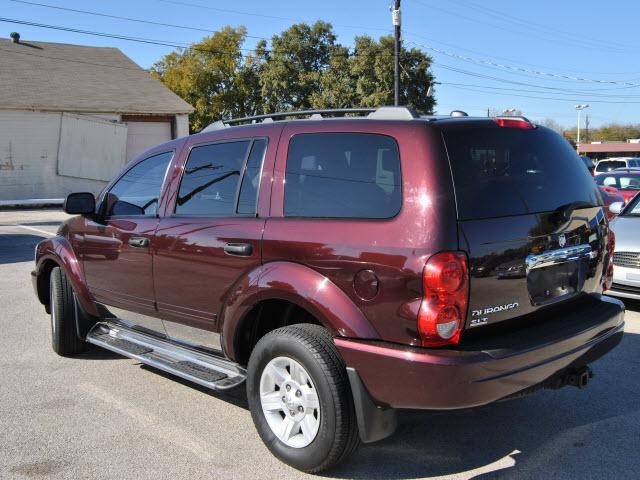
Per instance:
x=507, y=171
x=608, y=165
x=342, y=175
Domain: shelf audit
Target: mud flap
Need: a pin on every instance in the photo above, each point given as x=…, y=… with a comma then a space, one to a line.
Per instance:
x=374, y=423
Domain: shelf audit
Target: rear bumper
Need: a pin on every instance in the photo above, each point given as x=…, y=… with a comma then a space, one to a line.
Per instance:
x=488, y=369
x=626, y=282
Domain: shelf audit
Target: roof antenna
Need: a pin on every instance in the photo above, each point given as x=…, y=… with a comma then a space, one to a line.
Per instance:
x=15, y=37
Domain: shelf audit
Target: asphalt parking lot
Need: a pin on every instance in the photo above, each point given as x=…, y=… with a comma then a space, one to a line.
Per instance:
x=102, y=416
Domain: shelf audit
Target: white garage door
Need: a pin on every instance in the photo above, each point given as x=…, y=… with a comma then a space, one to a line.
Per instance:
x=144, y=135
x=90, y=147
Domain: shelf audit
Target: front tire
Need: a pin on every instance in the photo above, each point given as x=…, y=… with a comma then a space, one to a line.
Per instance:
x=65, y=340
x=300, y=399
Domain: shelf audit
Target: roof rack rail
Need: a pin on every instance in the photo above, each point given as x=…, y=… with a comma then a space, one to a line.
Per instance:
x=381, y=113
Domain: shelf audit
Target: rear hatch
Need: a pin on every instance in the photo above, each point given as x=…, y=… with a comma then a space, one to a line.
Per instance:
x=529, y=217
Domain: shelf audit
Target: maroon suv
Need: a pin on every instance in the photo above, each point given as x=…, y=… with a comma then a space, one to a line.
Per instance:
x=343, y=267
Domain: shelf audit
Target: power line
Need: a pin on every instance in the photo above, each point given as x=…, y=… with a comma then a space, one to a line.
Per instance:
x=165, y=43
x=129, y=19
x=581, y=44
x=89, y=32
x=501, y=16
x=523, y=70
x=476, y=89
x=538, y=91
x=185, y=27
x=264, y=15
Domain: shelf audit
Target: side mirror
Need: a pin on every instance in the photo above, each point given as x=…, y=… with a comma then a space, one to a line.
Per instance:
x=616, y=207
x=83, y=203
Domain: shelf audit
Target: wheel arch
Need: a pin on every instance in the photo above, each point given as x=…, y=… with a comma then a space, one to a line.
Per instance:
x=314, y=297
x=57, y=252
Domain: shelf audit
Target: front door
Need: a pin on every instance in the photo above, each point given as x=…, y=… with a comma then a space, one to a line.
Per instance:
x=115, y=246
x=211, y=238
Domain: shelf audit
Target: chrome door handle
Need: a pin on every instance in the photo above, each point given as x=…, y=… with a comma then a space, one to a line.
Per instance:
x=241, y=249
x=139, y=242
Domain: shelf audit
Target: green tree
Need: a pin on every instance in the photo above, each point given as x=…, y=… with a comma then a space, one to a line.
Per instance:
x=372, y=67
x=303, y=68
x=213, y=76
x=293, y=70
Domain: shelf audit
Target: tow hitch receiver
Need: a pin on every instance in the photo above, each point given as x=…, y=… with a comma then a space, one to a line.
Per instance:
x=580, y=377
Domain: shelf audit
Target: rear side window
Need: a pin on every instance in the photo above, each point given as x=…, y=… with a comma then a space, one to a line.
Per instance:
x=507, y=171
x=211, y=178
x=343, y=175
x=608, y=165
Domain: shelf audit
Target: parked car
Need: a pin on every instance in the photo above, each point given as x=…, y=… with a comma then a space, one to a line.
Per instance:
x=609, y=196
x=626, y=182
x=512, y=269
x=626, y=259
x=326, y=263
x=589, y=164
x=608, y=164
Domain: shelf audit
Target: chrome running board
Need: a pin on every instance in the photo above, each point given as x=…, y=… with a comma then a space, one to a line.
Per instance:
x=198, y=367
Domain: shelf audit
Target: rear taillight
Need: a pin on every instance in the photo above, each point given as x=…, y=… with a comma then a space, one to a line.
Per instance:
x=608, y=279
x=515, y=122
x=445, y=281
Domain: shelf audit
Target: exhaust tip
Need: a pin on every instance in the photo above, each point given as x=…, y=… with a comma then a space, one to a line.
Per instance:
x=580, y=378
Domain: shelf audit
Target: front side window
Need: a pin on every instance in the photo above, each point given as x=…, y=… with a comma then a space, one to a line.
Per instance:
x=137, y=192
x=211, y=178
x=343, y=175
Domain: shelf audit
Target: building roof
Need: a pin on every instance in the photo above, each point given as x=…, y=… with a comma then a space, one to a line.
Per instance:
x=613, y=147
x=77, y=78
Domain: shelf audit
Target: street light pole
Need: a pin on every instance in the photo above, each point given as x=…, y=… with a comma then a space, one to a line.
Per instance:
x=396, y=20
x=579, y=108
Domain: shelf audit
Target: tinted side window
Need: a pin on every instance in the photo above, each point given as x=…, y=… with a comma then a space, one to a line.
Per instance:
x=210, y=181
x=342, y=175
x=137, y=191
x=251, y=180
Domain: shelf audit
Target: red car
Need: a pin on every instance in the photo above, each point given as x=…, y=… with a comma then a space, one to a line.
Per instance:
x=343, y=268
x=627, y=182
x=610, y=195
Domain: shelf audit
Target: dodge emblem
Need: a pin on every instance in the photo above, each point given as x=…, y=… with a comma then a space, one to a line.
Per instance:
x=562, y=240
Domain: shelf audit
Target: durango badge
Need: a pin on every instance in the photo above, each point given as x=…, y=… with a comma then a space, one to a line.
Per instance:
x=495, y=309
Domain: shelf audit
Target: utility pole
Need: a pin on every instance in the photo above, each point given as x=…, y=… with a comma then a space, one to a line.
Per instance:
x=579, y=108
x=586, y=126
x=396, y=20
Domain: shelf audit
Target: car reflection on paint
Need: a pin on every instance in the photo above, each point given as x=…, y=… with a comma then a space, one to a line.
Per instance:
x=512, y=269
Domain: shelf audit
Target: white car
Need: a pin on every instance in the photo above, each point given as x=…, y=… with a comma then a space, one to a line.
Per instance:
x=626, y=258
x=608, y=164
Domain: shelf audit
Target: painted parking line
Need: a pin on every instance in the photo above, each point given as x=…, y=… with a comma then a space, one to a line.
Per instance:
x=44, y=232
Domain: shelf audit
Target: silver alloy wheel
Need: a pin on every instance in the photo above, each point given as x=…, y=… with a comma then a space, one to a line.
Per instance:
x=52, y=307
x=290, y=402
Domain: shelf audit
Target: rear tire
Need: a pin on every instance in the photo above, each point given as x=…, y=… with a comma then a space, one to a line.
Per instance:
x=314, y=427
x=65, y=340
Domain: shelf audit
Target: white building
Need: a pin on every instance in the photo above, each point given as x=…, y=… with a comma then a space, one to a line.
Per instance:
x=71, y=116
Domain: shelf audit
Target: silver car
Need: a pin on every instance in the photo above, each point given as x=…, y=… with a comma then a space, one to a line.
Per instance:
x=626, y=258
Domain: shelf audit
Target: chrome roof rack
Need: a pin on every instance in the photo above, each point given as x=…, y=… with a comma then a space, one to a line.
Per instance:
x=381, y=113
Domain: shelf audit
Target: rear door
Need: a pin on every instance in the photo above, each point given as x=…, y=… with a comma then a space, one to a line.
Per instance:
x=529, y=217
x=211, y=234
